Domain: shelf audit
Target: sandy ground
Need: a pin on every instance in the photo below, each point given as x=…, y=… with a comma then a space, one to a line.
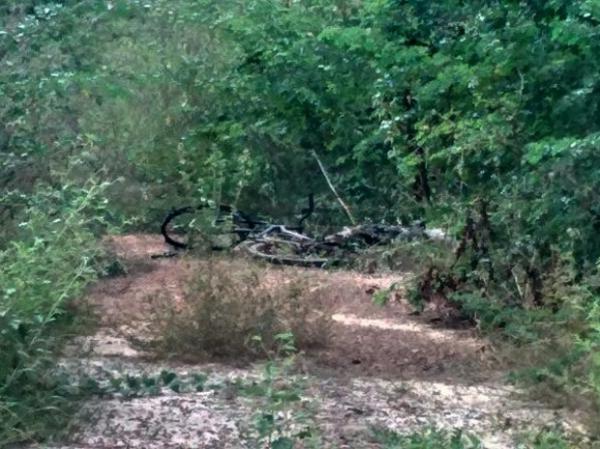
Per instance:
x=383, y=367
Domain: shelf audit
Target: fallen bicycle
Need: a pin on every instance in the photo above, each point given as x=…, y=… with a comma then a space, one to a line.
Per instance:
x=288, y=245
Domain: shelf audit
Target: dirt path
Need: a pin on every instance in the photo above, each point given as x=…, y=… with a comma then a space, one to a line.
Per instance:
x=382, y=368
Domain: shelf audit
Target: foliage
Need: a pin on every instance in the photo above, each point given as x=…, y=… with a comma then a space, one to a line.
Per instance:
x=228, y=99
x=48, y=264
x=285, y=416
x=427, y=439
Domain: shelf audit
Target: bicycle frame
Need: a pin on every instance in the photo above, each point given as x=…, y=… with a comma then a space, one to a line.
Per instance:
x=244, y=224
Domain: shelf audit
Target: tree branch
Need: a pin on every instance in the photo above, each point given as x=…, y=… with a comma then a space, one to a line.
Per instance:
x=331, y=186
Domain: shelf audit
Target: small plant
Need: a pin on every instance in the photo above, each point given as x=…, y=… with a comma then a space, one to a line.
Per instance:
x=227, y=304
x=47, y=265
x=383, y=296
x=427, y=439
x=546, y=439
x=285, y=418
x=131, y=386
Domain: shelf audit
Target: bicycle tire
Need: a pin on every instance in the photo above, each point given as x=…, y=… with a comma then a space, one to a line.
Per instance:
x=164, y=228
x=168, y=219
x=257, y=250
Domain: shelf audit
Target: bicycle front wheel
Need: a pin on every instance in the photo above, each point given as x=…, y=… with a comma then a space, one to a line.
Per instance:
x=197, y=227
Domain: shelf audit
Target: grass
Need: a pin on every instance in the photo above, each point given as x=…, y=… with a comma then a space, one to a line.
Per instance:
x=228, y=304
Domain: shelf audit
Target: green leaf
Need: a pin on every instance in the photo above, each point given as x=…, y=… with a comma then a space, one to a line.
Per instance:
x=168, y=377
x=283, y=443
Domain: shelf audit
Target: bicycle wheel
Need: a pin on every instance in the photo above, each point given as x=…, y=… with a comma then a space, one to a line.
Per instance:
x=187, y=227
x=284, y=252
x=172, y=231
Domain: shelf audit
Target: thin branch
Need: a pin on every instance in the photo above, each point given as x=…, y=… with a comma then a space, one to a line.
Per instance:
x=331, y=186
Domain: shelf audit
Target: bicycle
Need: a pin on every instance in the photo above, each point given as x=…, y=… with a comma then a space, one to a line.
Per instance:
x=288, y=245
x=275, y=243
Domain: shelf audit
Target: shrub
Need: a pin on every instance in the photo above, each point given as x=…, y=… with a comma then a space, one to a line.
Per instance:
x=553, y=323
x=47, y=265
x=227, y=304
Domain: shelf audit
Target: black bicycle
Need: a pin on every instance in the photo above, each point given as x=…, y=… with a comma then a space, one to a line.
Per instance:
x=275, y=243
x=284, y=244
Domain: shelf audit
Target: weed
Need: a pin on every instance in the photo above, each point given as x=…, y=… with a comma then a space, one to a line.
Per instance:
x=285, y=417
x=427, y=439
x=226, y=305
x=133, y=386
x=547, y=439
x=383, y=296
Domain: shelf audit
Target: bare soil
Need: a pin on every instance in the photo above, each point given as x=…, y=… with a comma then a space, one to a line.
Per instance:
x=382, y=367
x=366, y=339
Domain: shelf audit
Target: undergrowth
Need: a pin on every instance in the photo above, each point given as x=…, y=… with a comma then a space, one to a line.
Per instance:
x=227, y=305
x=427, y=439
x=547, y=321
x=46, y=263
x=433, y=438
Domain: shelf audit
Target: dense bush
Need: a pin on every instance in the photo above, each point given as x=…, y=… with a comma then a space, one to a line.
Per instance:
x=46, y=265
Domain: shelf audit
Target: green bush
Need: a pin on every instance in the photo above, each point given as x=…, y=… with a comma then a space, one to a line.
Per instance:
x=44, y=268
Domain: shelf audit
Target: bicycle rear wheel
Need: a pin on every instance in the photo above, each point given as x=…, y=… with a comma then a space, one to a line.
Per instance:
x=284, y=252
